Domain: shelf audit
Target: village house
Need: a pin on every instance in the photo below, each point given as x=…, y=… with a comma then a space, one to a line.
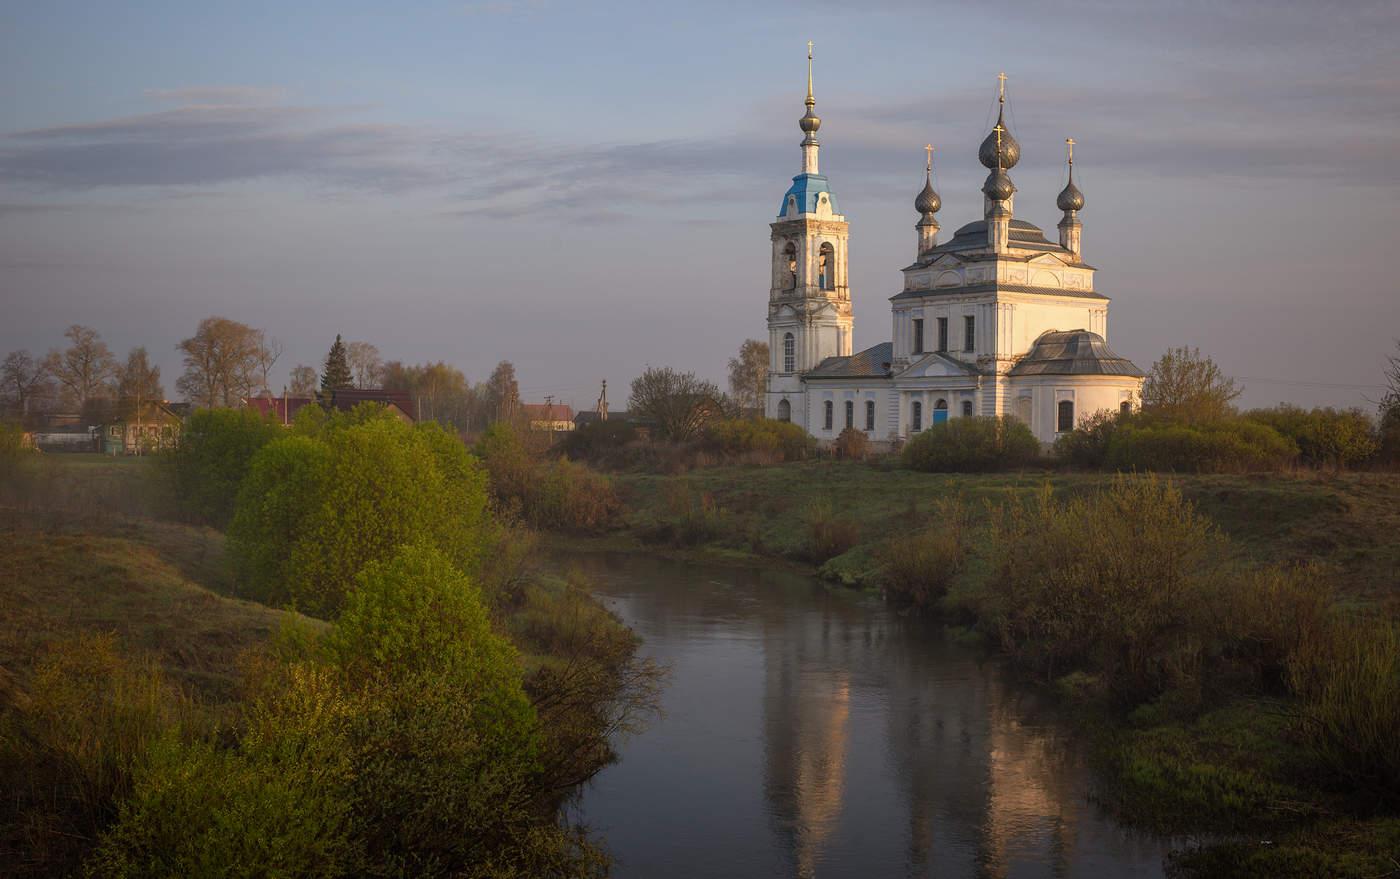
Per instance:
x=150, y=427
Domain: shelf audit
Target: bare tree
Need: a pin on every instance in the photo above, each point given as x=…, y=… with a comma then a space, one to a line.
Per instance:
x=748, y=374
x=676, y=405
x=84, y=368
x=25, y=383
x=270, y=351
x=1187, y=388
x=222, y=362
x=1390, y=409
x=366, y=364
x=137, y=384
x=305, y=379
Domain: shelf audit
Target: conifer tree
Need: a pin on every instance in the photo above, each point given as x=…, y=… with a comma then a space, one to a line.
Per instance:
x=336, y=375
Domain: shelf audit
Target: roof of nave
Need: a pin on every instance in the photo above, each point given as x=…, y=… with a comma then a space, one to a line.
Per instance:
x=973, y=236
x=808, y=188
x=1073, y=352
x=870, y=363
x=992, y=287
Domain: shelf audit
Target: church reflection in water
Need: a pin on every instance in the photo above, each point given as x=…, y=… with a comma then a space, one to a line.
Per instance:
x=982, y=788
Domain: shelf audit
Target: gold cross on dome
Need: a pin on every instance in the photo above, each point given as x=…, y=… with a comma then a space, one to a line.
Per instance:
x=929, y=149
x=1001, y=91
x=1069, y=142
x=998, y=129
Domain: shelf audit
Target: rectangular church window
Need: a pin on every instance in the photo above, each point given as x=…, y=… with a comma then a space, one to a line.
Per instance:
x=828, y=415
x=969, y=332
x=917, y=416
x=850, y=414
x=918, y=335
x=869, y=414
x=1066, y=416
x=943, y=334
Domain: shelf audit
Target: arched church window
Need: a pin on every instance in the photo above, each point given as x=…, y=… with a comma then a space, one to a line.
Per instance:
x=826, y=408
x=1125, y=407
x=850, y=413
x=967, y=408
x=789, y=353
x=826, y=267
x=940, y=410
x=1066, y=416
x=790, y=258
x=784, y=410
x=916, y=416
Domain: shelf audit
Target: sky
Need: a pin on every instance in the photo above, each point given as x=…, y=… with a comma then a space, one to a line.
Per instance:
x=585, y=189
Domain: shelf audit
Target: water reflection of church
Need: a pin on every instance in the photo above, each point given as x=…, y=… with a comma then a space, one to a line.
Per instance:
x=981, y=789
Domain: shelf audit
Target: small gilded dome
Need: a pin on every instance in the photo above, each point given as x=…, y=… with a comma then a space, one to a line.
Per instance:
x=1010, y=149
x=927, y=201
x=809, y=123
x=1070, y=198
x=998, y=186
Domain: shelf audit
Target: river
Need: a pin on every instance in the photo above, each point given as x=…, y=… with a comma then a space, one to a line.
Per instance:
x=810, y=731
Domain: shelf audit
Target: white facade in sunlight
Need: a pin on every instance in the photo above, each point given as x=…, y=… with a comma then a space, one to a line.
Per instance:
x=998, y=320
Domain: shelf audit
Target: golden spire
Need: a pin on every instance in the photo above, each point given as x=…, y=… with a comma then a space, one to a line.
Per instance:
x=811, y=101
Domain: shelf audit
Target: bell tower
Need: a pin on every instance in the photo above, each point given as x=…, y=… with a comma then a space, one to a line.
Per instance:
x=809, y=302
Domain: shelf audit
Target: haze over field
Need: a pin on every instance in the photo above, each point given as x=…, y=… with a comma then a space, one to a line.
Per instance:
x=585, y=189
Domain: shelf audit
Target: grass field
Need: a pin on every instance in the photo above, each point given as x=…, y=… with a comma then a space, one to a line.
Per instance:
x=1349, y=523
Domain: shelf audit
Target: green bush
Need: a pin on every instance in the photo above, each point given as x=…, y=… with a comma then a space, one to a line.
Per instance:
x=313, y=512
x=207, y=466
x=559, y=495
x=1348, y=676
x=1235, y=446
x=782, y=439
x=1325, y=437
x=919, y=568
x=1086, y=447
x=1120, y=583
x=598, y=439
x=975, y=444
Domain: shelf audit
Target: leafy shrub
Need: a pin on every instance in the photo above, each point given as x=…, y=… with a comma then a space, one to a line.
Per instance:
x=598, y=439
x=313, y=512
x=919, y=568
x=974, y=444
x=737, y=436
x=560, y=494
x=1348, y=676
x=851, y=443
x=210, y=460
x=1325, y=437
x=1235, y=446
x=1086, y=447
x=829, y=535
x=1120, y=583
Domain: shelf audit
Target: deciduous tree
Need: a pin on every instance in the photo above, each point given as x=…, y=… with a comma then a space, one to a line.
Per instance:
x=84, y=368
x=503, y=393
x=1186, y=388
x=138, y=379
x=675, y=405
x=748, y=374
x=335, y=375
x=222, y=362
x=304, y=380
x=1390, y=409
x=25, y=383
x=366, y=364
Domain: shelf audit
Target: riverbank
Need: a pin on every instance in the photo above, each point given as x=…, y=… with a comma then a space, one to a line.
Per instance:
x=1224, y=756
x=122, y=634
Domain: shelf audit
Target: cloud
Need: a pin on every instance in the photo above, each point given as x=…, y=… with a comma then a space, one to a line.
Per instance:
x=218, y=94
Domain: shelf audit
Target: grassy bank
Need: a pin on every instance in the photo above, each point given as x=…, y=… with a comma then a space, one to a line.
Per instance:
x=1209, y=605
x=124, y=647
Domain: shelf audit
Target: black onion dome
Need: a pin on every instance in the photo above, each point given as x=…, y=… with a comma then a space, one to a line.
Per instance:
x=1070, y=198
x=927, y=201
x=998, y=186
x=1010, y=149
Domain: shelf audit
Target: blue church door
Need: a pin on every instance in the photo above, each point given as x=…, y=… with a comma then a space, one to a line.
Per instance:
x=940, y=411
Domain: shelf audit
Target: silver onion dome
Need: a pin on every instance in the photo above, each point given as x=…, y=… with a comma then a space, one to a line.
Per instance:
x=1070, y=198
x=998, y=186
x=1010, y=149
x=927, y=201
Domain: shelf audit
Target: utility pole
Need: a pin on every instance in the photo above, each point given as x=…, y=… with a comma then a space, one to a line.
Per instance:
x=548, y=412
x=603, y=402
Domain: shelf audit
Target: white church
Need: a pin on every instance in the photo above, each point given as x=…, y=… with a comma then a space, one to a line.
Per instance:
x=997, y=320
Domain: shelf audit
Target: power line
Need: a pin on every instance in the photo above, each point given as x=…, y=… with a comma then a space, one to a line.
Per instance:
x=1307, y=384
